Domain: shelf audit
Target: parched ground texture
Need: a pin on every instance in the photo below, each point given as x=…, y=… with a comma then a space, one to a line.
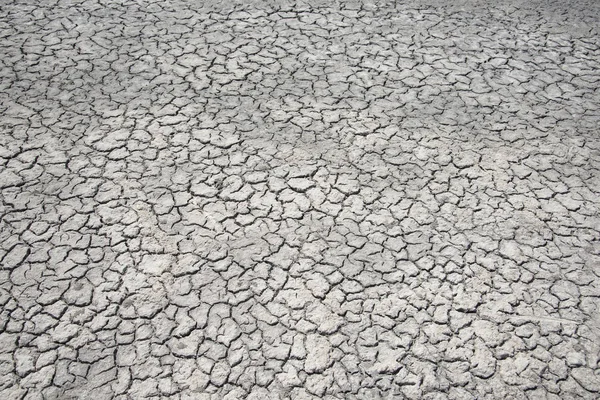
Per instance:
x=283, y=200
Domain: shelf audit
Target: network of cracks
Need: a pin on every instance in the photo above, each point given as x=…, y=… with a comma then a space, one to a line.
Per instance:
x=299, y=200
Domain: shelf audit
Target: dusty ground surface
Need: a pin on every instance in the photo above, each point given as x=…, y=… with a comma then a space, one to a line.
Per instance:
x=335, y=200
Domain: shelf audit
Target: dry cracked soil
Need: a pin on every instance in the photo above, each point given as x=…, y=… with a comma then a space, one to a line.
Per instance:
x=299, y=200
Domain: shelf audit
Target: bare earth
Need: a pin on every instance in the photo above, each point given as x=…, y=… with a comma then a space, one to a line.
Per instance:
x=273, y=200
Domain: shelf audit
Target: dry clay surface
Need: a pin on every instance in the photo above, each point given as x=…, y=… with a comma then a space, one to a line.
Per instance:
x=293, y=201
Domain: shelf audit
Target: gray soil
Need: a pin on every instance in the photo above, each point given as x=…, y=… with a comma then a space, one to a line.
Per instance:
x=276, y=200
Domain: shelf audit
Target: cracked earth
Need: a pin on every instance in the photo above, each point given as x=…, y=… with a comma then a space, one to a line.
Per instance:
x=323, y=200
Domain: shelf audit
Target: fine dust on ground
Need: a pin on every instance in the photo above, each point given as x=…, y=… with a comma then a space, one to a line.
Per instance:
x=277, y=200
